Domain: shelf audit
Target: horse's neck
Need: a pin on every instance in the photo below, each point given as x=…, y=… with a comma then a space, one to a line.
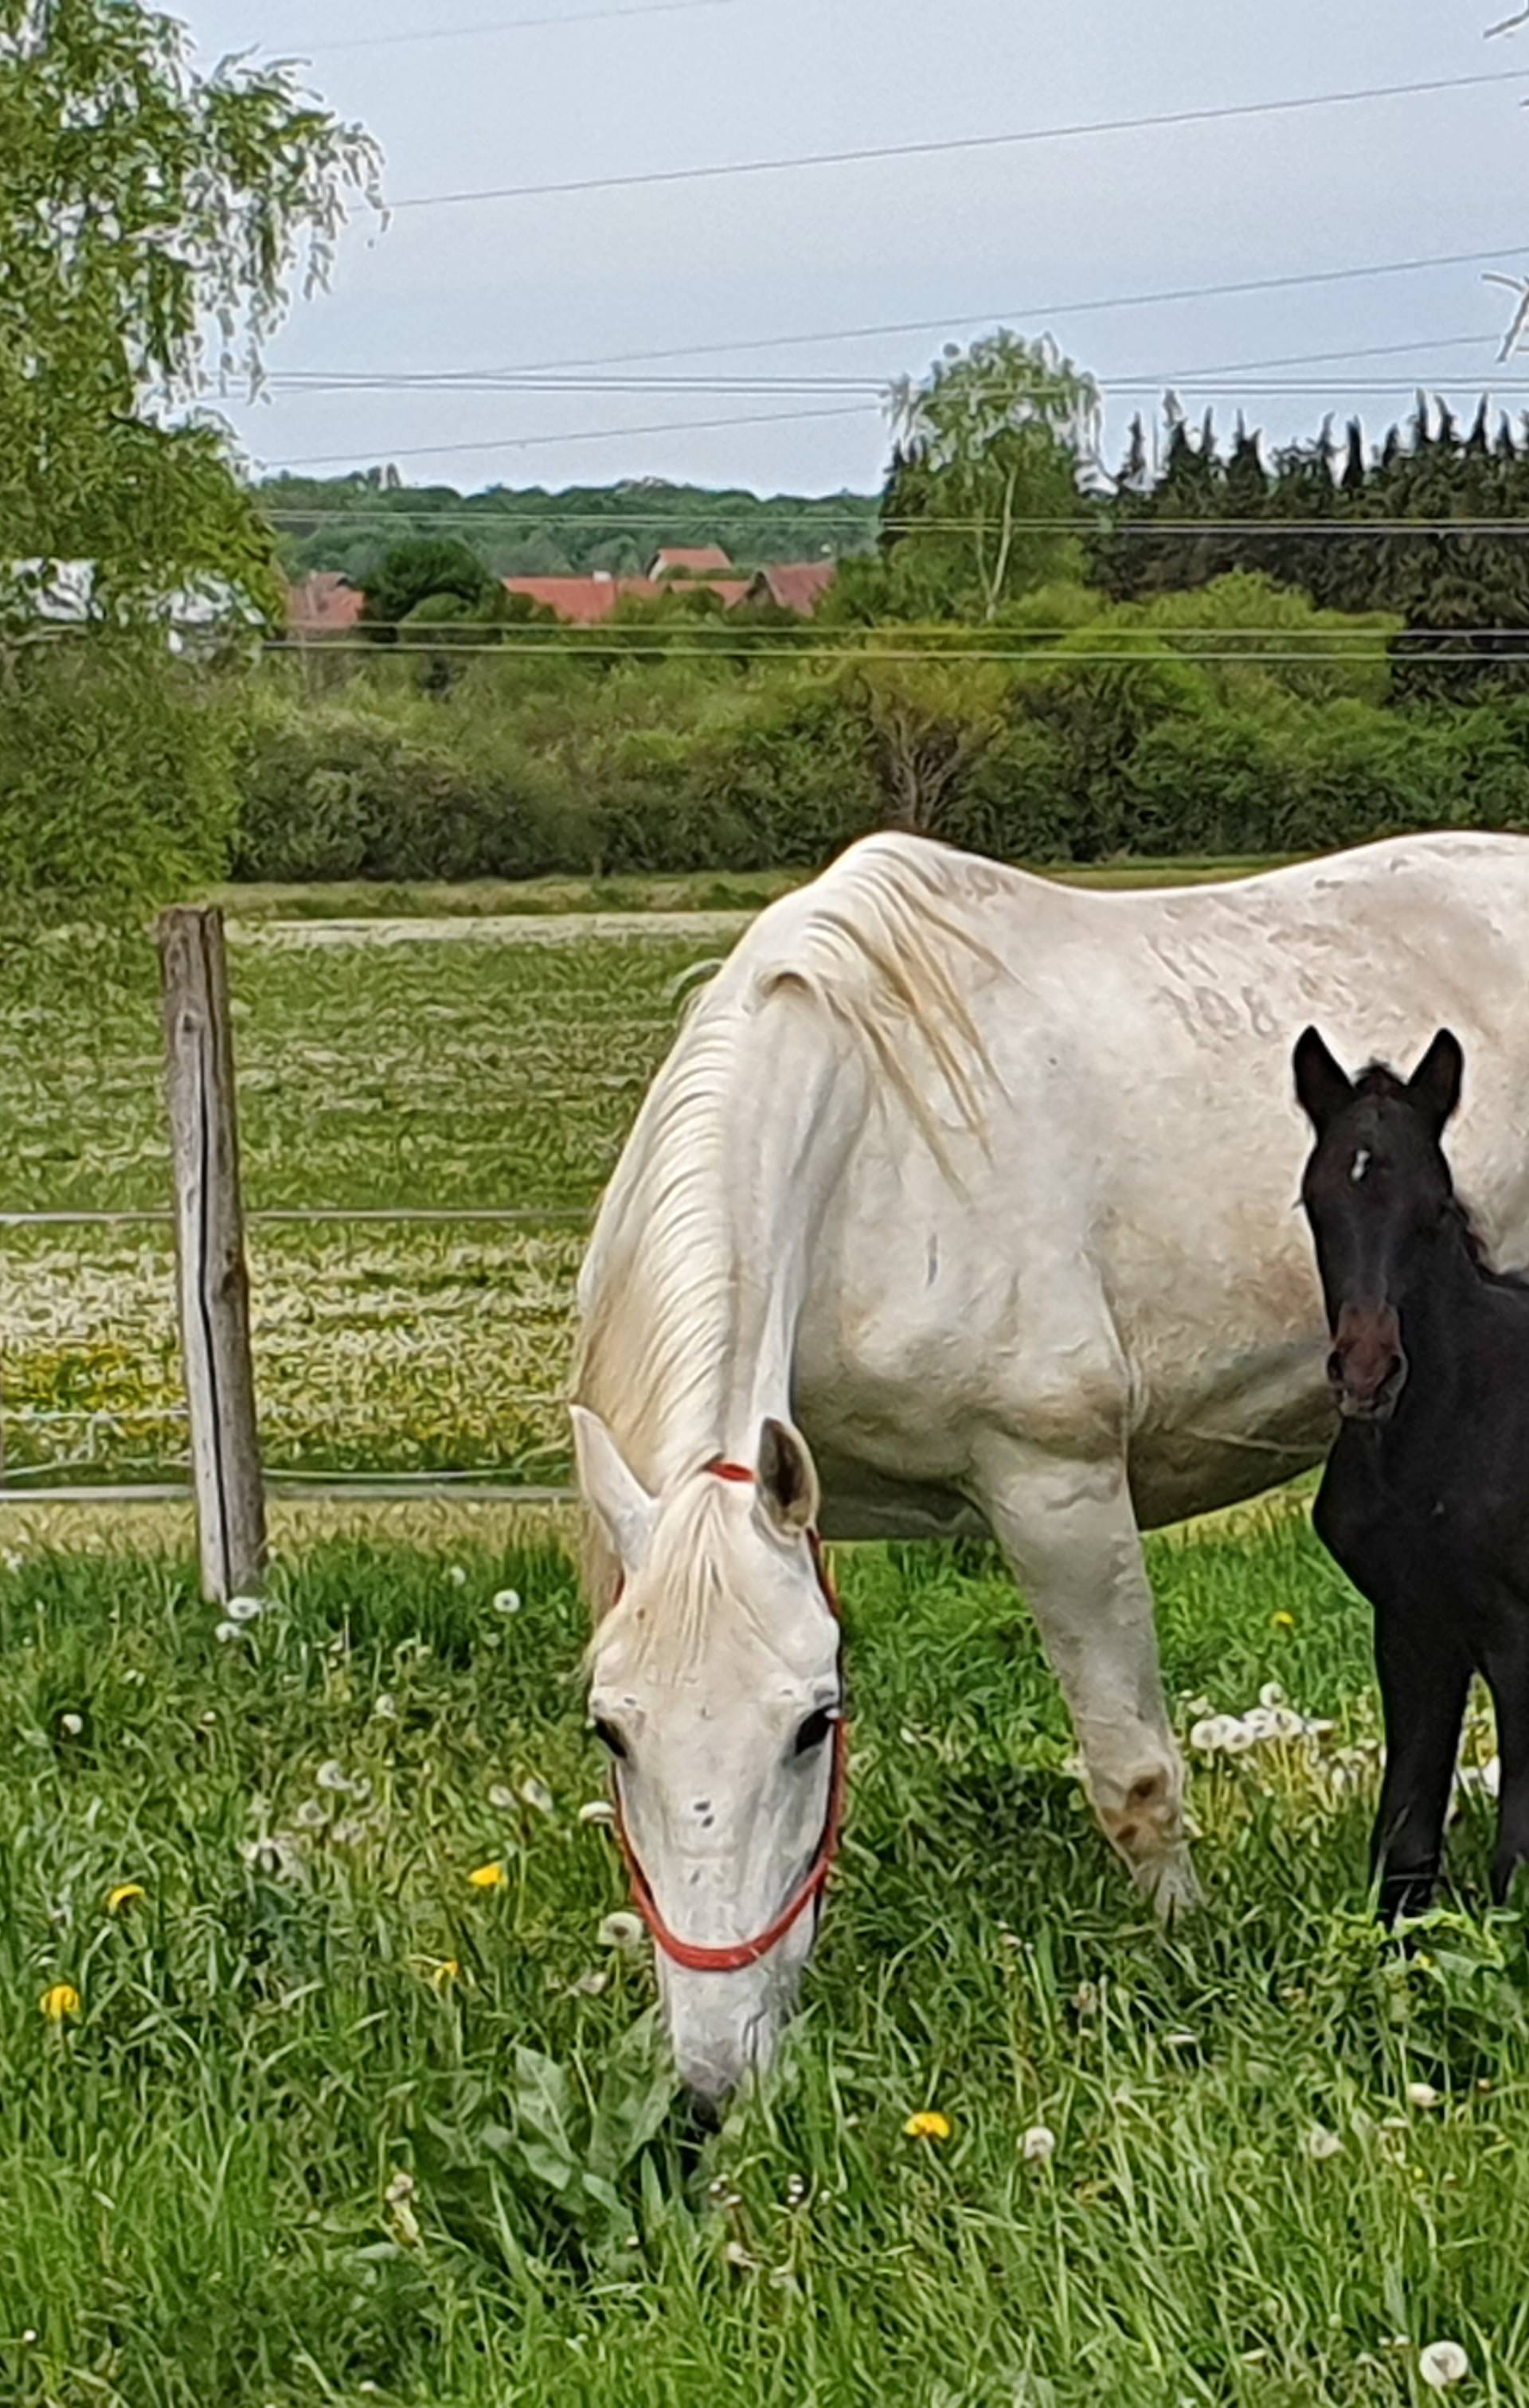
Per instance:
x=702, y=1291
x=1437, y=1307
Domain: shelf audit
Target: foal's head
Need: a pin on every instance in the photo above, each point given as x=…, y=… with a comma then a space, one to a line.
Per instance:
x=716, y=1686
x=1377, y=1189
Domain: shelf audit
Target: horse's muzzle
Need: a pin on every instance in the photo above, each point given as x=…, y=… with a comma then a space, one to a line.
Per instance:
x=1366, y=1368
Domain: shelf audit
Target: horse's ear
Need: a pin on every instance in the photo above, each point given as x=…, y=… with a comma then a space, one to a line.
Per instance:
x=788, y=1484
x=1435, y=1084
x=1322, y=1086
x=612, y=1490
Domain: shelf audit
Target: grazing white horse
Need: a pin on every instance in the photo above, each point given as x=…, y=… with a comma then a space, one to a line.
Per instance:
x=968, y=1202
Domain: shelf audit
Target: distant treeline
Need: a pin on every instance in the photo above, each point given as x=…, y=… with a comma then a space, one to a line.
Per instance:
x=1347, y=522
x=349, y=523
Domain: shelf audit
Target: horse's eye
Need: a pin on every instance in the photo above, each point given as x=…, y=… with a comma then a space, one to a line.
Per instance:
x=815, y=1729
x=609, y=1737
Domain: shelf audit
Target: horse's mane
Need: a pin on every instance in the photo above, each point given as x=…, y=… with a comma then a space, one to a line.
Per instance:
x=871, y=946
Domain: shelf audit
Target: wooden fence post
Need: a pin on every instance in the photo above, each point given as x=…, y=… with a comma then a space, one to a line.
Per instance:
x=212, y=1277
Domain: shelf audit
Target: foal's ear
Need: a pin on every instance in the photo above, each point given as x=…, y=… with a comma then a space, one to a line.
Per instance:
x=788, y=1484
x=1322, y=1086
x=1435, y=1084
x=612, y=1489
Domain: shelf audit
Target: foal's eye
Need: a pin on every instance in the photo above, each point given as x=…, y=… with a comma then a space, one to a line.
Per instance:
x=611, y=1738
x=816, y=1728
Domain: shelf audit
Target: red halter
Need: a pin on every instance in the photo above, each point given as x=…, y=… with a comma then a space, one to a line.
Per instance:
x=743, y=1953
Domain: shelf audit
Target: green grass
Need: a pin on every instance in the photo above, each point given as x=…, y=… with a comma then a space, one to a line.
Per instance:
x=416, y=1075
x=702, y=890
x=196, y=2168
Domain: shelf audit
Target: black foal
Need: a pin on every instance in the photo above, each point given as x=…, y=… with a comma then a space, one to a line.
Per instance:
x=1425, y=1498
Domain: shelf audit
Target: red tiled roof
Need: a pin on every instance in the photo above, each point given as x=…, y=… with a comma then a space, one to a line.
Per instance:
x=585, y=601
x=697, y=560
x=796, y=585
x=324, y=603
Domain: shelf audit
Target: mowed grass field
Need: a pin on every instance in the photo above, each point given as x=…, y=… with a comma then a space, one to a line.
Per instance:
x=318, y=2118
x=422, y=1074
x=488, y=1051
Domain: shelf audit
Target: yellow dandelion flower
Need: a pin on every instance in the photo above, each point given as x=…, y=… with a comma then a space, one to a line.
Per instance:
x=928, y=2125
x=446, y=1973
x=61, y=2001
x=487, y=1876
x=1283, y=1621
x=123, y=1895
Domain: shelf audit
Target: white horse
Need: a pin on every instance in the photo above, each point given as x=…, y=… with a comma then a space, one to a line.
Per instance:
x=968, y=1202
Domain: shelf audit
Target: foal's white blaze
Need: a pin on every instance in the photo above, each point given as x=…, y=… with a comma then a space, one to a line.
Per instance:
x=720, y=1655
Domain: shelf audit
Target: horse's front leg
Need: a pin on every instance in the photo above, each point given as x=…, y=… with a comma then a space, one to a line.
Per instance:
x=1506, y=1664
x=1067, y=1529
x=1425, y=1677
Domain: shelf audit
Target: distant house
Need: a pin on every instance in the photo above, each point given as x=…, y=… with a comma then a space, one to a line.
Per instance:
x=321, y=605
x=584, y=601
x=796, y=585
x=687, y=561
x=63, y=594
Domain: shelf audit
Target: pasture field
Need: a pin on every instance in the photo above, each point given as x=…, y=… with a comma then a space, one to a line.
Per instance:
x=317, y=2118
x=500, y=1070
x=423, y=1074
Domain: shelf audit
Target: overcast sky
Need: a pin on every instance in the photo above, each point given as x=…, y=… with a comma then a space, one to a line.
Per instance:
x=1014, y=235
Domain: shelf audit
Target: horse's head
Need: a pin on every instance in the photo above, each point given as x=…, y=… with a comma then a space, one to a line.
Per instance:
x=716, y=1686
x=1376, y=1188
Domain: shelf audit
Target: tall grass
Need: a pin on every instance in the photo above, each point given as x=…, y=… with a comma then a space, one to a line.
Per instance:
x=334, y=2124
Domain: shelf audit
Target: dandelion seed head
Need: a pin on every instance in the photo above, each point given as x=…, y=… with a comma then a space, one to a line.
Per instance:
x=1038, y=2146
x=620, y=1930
x=1423, y=2094
x=536, y=1795
x=597, y=1809
x=1322, y=2144
x=1443, y=2364
x=508, y=1602
x=71, y=1725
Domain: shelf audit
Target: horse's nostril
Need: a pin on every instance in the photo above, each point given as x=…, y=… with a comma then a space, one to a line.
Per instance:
x=1335, y=1367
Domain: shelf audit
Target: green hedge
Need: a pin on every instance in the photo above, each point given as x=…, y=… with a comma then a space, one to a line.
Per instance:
x=1148, y=728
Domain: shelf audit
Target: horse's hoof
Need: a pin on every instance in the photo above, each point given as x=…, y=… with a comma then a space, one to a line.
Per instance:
x=1169, y=1882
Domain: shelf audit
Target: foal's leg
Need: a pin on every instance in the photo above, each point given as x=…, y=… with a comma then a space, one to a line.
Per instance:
x=1067, y=1529
x=1505, y=1663
x=1424, y=1675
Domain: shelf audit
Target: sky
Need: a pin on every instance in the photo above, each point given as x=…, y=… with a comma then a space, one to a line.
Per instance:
x=461, y=98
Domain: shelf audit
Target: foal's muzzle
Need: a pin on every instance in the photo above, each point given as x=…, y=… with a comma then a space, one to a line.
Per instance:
x=1366, y=1368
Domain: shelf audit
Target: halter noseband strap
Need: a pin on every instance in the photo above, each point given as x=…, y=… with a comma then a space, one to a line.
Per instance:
x=743, y=1953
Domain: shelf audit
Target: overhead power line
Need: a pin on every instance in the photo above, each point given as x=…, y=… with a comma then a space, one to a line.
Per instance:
x=514, y=26
x=1166, y=640
x=589, y=435
x=527, y=381
x=1224, y=114
x=493, y=522
x=1195, y=387
x=1036, y=312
